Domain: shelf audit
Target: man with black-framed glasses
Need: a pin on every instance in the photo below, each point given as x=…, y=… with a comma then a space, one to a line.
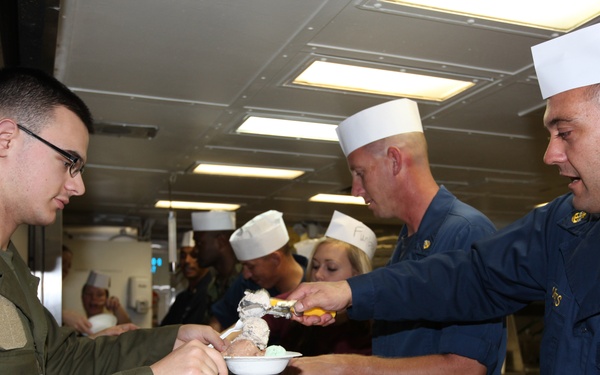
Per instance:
x=44, y=136
x=74, y=163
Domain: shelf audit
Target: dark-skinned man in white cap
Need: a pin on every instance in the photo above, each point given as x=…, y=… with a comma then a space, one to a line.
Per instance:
x=191, y=305
x=212, y=230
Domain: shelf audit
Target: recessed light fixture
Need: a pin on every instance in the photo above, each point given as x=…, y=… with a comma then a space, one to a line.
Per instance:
x=380, y=81
x=196, y=205
x=125, y=130
x=246, y=171
x=288, y=128
x=337, y=198
x=553, y=15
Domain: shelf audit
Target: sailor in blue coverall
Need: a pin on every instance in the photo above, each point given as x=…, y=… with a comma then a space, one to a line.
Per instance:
x=552, y=254
x=448, y=223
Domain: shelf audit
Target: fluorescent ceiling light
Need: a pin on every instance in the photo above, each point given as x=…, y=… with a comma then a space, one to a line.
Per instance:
x=196, y=205
x=288, y=128
x=379, y=81
x=337, y=198
x=556, y=15
x=244, y=171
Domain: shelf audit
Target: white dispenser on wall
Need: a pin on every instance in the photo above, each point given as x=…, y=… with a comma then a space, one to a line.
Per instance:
x=140, y=294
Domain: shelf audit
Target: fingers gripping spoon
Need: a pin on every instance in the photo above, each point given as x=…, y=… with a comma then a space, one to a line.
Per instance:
x=285, y=309
x=236, y=328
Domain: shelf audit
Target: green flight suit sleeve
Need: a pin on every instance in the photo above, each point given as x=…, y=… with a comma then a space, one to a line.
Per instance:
x=131, y=353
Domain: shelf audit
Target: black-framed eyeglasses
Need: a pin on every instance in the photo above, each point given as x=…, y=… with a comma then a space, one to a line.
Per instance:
x=75, y=162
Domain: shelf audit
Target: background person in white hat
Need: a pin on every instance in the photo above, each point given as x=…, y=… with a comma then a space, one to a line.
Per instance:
x=551, y=254
x=192, y=304
x=261, y=245
x=346, y=250
x=96, y=298
x=212, y=230
x=387, y=155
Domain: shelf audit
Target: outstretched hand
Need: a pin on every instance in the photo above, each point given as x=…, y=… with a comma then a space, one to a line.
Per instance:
x=192, y=357
x=77, y=321
x=203, y=333
x=191, y=353
x=115, y=330
x=332, y=296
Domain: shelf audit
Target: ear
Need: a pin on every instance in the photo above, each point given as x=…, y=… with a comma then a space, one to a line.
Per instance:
x=395, y=156
x=8, y=130
x=275, y=257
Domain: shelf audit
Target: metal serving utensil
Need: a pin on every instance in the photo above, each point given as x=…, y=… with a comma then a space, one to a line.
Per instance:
x=281, y=308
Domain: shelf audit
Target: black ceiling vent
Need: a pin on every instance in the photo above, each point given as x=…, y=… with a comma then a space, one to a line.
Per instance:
x=125, y=130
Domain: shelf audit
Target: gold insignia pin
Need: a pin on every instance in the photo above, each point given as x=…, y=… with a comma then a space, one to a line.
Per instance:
x=578, y=216
x=556, y=297
x=426, y=244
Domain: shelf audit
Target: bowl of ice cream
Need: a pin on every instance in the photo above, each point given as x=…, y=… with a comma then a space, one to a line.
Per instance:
x=259, y=365
x=248, y=353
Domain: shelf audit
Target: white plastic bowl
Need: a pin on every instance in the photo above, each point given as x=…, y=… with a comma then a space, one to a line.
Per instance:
x=259, y=365
x=102, y=321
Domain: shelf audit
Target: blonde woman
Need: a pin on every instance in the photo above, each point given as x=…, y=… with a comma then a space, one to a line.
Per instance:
x=335, y=260
x=345, y=251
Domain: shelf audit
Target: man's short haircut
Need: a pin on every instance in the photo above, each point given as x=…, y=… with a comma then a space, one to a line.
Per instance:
x=30, y=96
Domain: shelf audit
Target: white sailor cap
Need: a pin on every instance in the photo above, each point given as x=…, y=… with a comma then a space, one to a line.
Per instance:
x=98, y=280
x=213, y=220
x=188, y=239
x=568, y=62
x=378, y=122
x=306, y=247
x=262, y=235
x=345, y=228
